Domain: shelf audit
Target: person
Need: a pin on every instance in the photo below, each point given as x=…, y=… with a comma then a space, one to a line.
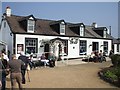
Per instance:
x=111, y=53
x=100, y=56
x=15, y=69
x=0, y=77
x=92, y=56
x=0, y=84
x=96, y=56
x=43, y=59
x=31, y=64
x=4, y=66
x=24, y=67
x=4, y=55
x=51, y=59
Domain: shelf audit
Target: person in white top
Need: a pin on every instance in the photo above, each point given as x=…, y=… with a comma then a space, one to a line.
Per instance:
x=92, y=56
x=5, y=56
x=43, y=59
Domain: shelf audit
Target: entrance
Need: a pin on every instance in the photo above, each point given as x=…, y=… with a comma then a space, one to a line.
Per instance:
x=46, y=49
x=95, y=46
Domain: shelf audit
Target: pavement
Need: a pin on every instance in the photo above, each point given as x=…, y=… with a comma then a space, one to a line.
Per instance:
x=67, y=74
x=74, y=62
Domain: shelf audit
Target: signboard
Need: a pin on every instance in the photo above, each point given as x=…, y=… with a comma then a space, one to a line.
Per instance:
x=19, y=48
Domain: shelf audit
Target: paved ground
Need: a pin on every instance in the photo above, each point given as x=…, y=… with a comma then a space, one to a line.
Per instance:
x=71, y=75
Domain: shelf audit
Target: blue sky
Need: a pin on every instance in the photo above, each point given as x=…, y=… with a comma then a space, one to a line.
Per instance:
x=103, y=13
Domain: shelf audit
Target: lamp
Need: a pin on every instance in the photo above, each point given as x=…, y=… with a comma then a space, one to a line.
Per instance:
x=101, y=45
x=90, y=45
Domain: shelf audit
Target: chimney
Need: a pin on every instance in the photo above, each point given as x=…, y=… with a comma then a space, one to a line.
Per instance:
x=94, y=24
x=8, y=11
x=109, y=30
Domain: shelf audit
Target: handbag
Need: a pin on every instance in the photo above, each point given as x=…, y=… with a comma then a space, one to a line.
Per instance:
x=5, y=70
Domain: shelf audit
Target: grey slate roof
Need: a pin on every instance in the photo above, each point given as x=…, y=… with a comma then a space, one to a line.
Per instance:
x=91, y=33
x=43, y=27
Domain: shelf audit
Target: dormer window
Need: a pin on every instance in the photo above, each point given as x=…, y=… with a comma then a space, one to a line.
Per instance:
x=31, y=25
x=105, y=33
x=81, y=30
x=62, y=28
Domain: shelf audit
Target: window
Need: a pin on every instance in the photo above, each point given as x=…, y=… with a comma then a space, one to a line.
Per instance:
x=62, y=28
x=83, y=47
x=31, y=45
x=81, y=30
x=105, y=48
x=117, y=47
x=31, y=24
x=105, y=34
x=66, y=47
x=95, y=46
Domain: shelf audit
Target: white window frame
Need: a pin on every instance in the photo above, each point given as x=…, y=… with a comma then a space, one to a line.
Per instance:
x=62, y=28
x=105, y=46
x=30, y=25
x=83, y=46
x=31, y=43
x=105, y=33
x=81, y=30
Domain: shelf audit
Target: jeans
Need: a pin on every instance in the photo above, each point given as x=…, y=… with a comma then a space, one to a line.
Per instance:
x=23, y=76
x=3, y=81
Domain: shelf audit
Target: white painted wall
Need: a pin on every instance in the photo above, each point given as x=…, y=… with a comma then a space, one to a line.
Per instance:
x=115, y=49
x=73, y=49
x=20, y=39
x=6, y=36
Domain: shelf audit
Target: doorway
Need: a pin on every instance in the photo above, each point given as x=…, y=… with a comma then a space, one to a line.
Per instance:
x=95, y=46
x=46, y=49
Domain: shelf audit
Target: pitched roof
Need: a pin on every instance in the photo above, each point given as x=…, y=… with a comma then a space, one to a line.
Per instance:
x=43, y=27
x=91, y=33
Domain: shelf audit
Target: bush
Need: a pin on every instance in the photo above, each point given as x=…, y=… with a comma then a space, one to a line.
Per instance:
x=118, y=72
x=116, y=60
x=110, y=74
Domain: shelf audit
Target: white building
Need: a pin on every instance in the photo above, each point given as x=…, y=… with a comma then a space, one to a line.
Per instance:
x=32, y=35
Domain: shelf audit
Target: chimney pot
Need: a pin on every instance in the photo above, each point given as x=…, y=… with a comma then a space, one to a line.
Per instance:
x=94, y=24
x=8, y=11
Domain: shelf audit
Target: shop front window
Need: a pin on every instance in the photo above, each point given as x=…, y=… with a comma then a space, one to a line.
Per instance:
x=83, y=47
x=31, y=45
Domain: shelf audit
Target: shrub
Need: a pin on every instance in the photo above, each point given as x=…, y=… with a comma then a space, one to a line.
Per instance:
x=110, y=74
x=118, y=72
x=116, y=60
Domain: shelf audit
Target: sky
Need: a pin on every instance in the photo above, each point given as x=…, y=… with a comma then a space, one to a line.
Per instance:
x=103, y=13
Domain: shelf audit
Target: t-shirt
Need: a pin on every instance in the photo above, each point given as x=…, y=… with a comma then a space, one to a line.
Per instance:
x=15, y=65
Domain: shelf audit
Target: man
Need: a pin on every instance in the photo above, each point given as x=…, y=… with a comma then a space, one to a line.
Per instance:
x=24, y=67
x=4, y=66
x=51, y=59
x=15, y=68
